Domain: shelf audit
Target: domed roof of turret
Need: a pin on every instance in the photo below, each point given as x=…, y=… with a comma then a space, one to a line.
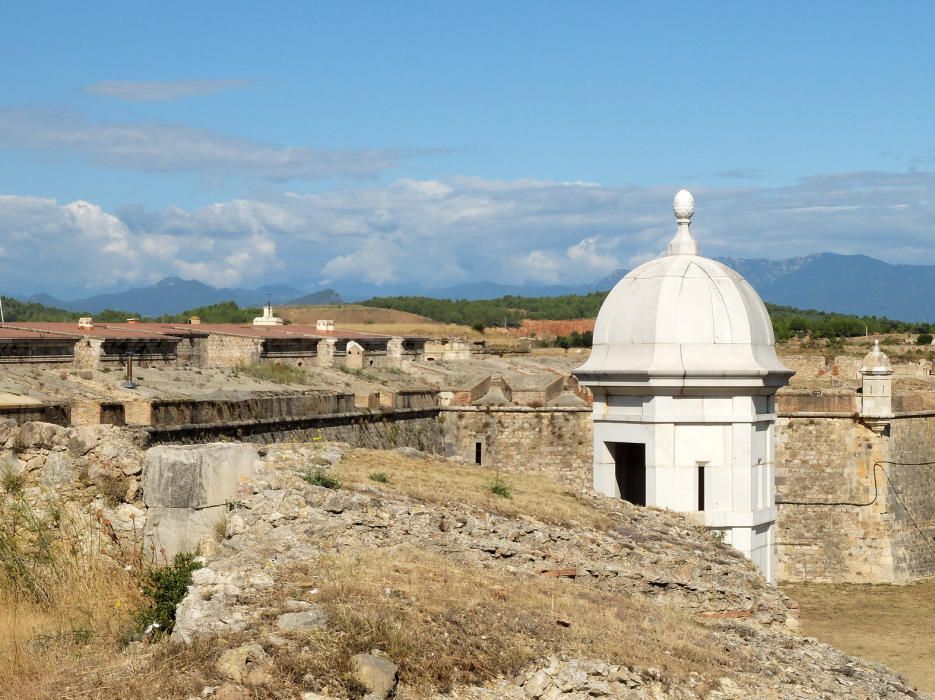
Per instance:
x=682, y=316
x=876, y=361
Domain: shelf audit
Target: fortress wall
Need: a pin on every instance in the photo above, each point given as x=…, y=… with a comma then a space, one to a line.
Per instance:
x=554, y=442
x=830, y=460
x=227, y=351
x=912, y=441
x=373, y=429
x=826, y=459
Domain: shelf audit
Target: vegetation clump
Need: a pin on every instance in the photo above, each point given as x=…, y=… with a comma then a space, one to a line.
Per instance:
x=501, y=488
x=380, y=477
x=164, y=588
x=319, y=477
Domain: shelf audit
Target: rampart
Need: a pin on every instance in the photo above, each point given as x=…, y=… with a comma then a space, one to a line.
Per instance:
x=553, y=441
x=854, y=505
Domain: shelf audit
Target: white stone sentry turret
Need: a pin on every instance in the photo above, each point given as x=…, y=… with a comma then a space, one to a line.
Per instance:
x=876, y=390
x=684, y=371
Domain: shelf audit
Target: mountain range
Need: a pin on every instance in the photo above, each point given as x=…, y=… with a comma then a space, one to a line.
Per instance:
x=848, y=284
x=173, y=295
x=854, y=284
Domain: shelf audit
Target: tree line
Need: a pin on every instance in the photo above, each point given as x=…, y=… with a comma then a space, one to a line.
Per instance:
x=224, y=312
x=510, y=311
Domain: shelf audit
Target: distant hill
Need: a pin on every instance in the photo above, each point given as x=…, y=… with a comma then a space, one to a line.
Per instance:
x=322, y=298
x=174, y=295
x=847, y=284
x=852, y=284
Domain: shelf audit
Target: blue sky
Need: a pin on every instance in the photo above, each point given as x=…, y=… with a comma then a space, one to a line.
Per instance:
x=529, y=143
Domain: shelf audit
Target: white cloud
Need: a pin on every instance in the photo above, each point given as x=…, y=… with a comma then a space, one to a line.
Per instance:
x=445, y=232
x=160, y=90
x=375, y=261
x=174, y=148
x=593, y=252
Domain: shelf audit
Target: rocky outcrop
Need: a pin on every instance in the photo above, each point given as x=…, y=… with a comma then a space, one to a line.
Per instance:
x=78, y=464
x=279, y=520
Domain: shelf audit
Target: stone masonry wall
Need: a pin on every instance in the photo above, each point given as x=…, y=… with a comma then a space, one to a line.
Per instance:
x=553, y=442
x=228, y=351
x=417, y=429
x=831, y=461
x=912, y=442
x=825, y=460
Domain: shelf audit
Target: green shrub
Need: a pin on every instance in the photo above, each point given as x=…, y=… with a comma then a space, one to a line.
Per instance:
x=165, y=586
x=319, y=477
x=500, y=488
x=380, y=477
x=924, y=339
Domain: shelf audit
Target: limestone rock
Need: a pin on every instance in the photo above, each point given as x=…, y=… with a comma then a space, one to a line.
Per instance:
x=311, y=619
x=229, y=691
x=126, y=518
x=11, y=465
x=102, y=473
x=248, y=664
x=196, y=477
x=58, y=469
x=81, y=440
x=377, y=674
x=655, y=556
x=35, y=435
x=8, y=429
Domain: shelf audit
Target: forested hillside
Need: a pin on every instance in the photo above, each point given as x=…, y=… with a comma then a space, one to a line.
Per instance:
x=224, y=312
x=16, y=310
x=511, y=310
x=507, y=310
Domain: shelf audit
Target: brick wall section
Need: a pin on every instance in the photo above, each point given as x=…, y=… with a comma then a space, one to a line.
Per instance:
x=549, y=441
x=228, y=351
x=138, y=412
x=85, y=413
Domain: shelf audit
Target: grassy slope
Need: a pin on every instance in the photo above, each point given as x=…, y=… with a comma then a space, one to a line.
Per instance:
x=892, y=624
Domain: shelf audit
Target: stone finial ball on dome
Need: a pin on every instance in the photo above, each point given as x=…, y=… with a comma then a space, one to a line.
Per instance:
x=683, y=206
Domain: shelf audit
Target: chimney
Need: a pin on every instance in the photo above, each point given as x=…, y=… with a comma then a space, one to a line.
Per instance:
x=86, y=322
x=133, y=321
x=324, y=325
x=194, y=320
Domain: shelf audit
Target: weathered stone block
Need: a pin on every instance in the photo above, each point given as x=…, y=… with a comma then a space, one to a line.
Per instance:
x=196, y=477
x=172, y=530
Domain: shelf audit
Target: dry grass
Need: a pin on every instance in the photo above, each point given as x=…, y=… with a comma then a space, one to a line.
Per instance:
x=890, y=624
x=349, y=313
x=445, y=623
x=62, y=601
x=441, y=481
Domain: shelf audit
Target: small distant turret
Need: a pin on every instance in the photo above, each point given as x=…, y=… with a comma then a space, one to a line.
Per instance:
x=267, y=319
x=876, y=401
